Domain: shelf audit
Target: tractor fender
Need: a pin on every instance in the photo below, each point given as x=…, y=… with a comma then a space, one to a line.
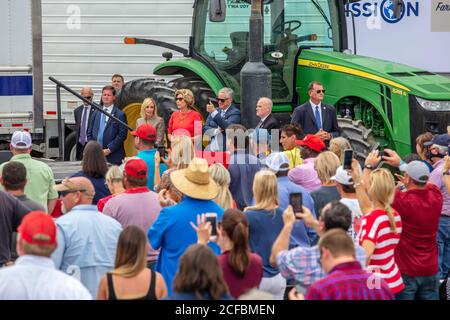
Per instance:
x=190, y=68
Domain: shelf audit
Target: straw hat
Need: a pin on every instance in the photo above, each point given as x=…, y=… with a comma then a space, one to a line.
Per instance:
x=195, y=181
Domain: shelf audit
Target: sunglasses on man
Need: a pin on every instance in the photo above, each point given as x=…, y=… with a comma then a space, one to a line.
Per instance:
x=320, y=91
x=222, y=100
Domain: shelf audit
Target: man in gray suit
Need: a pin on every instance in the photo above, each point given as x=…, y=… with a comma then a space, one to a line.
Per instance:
x=315, y=117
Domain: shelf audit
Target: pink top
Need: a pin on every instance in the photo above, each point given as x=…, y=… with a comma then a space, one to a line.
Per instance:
x=138, y=207
x=305, y=175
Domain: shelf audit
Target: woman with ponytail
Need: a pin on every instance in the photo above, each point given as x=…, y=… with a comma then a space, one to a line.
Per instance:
x=242, y=269
x=381, y=225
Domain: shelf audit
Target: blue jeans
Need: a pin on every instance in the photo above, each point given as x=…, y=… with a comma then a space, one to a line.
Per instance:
x=443, y=240
x=419, y=288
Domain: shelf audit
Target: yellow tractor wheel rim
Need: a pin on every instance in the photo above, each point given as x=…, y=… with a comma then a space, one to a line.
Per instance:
x=133, y=112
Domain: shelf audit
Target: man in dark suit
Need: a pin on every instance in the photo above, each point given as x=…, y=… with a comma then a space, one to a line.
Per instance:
x=315, y=117
x=219, y=119
x=83, y=115
x=264, y=112
x=108, y=133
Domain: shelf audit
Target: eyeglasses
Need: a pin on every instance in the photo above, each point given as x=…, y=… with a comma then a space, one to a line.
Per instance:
x=222, y=100
x=89, y=98
x=320, y=91
x=62, y=194
x=179, y=99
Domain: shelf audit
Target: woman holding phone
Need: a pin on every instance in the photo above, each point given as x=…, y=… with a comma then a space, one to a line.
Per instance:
x=381, y=226
x=265, y=221
x=242, y=269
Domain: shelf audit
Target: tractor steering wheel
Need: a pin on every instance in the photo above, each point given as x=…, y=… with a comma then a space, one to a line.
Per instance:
x=280, y=27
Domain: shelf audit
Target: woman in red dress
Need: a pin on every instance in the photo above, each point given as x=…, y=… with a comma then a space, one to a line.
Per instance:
x=182, y=121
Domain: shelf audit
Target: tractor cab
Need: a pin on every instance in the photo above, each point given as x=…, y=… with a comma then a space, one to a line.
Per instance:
x=288, y=24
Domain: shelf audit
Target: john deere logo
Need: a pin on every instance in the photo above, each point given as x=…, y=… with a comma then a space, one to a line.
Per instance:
x=392, y=11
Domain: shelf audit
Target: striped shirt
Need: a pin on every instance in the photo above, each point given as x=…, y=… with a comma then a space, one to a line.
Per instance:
x=375, y=228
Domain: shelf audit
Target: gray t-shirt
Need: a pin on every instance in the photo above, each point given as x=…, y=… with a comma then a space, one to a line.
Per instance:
x=11, y=216
x=31, y=204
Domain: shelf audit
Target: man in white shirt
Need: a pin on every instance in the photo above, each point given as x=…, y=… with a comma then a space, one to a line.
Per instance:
x=34, y=276
x=344, y=185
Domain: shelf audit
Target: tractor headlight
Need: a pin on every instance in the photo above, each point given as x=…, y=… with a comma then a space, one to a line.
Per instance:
x=431, y=105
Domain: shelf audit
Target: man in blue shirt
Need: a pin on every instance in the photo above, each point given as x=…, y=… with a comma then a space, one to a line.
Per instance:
x=172, y=231
x=87, y=239
x=144, y=139
x=301, y=235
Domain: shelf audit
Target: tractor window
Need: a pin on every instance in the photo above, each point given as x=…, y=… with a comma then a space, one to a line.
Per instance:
x=288, y=24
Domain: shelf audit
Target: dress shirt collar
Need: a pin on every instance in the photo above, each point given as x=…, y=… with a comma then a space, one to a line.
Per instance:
x=314, y=105
x=346, y=266
x=109, y=109
x=32, y=260
x=84, y=207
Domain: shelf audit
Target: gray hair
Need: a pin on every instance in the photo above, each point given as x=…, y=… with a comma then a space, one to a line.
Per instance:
x=228, y=91
x=267, y=101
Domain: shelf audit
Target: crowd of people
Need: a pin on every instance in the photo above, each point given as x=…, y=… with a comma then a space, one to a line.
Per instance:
x=184, y=226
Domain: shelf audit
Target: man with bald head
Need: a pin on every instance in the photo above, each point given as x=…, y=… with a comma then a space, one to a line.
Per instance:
x=83, y=115
x=264, y=112
x=86, y=238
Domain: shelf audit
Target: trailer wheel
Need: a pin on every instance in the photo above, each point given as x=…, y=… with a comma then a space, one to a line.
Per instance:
x=130, y=100
x=70, y=147
x=360, y=138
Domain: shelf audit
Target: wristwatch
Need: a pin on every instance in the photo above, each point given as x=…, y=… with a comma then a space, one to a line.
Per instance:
x=368, y=166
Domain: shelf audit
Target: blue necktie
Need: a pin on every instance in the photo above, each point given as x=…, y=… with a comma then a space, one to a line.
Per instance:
x=318, y=119
x=82, y=138
x=101, y=128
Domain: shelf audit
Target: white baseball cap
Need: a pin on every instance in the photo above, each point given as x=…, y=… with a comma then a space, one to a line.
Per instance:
x=21, y=140
x=277, y=161
x=343, y=177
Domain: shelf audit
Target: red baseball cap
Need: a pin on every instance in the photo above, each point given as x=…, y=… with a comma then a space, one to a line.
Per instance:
x=311, y=141
x=38, y=228
x=136, y=168
x=145, y=131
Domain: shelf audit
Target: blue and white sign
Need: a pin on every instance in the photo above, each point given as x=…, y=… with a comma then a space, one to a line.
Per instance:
x=401, y=31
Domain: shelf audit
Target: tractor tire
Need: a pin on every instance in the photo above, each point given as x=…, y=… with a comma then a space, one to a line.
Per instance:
x=201, y=90
x=130, y=100
x=360, y=138
x=70, y=147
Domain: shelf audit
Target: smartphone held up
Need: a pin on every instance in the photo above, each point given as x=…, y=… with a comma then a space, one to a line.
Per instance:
x=211, y=217
x=296, y=201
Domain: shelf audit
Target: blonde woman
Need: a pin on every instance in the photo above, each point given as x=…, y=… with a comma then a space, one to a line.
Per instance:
x=221, y=176
x=326, y=165
x=180, y=156
x=265, y=223
x=114, y=181
x=381, y=225
x=149, y=115
x=338, y=145
x=182, y=121
x=131, y=279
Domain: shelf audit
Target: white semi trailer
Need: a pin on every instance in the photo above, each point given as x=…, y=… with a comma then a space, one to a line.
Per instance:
x=80, y=43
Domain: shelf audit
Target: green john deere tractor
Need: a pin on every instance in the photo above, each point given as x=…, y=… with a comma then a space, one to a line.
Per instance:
x=379, y=103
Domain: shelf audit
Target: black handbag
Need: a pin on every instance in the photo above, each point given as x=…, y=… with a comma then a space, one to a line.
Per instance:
x=444, y=288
